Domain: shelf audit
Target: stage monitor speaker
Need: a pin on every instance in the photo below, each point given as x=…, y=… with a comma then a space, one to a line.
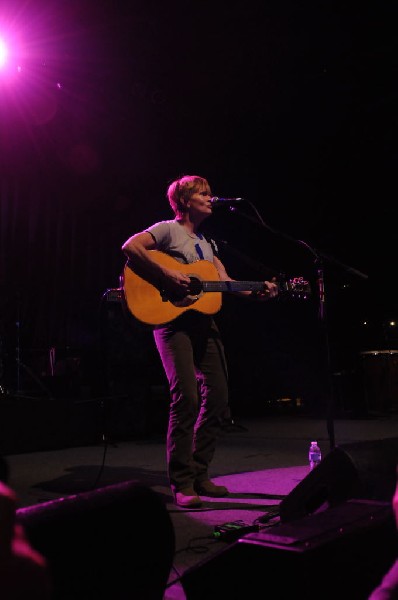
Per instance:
x=116, y=542
x=364, y=470
x=342, y=552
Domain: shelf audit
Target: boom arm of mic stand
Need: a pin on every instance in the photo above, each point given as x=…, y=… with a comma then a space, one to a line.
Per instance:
x=318, y=254
x=342, y=266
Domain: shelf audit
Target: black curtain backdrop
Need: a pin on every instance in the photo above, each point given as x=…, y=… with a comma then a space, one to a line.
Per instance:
x=291, y=107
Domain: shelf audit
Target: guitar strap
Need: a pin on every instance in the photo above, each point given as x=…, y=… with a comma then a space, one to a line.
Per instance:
x=199, y=251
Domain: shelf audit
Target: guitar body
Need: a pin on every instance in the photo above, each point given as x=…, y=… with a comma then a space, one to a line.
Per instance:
x=147, y=304
x=153, y=307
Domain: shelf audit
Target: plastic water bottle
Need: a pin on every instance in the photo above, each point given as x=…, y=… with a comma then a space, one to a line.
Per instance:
x=314, y=455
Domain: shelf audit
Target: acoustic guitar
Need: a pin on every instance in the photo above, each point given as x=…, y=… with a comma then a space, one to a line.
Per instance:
x=152, y=306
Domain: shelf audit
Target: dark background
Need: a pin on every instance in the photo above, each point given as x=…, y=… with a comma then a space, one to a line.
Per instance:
x=289, y=105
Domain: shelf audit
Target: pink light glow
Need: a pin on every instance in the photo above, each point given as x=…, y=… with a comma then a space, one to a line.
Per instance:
x=11, y=48
x=46, y=85
x=3, y=53
x=27, y=92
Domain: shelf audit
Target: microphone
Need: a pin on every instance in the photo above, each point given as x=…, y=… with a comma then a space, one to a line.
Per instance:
x=217, y=200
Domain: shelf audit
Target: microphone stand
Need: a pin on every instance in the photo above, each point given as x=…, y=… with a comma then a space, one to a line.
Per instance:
x=319, y=258
x=18, y=362
x=322, y=317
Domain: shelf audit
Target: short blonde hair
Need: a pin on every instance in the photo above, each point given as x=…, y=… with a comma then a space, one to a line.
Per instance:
x=183, y=188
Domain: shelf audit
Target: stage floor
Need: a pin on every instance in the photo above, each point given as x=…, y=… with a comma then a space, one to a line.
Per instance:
x=260, y=460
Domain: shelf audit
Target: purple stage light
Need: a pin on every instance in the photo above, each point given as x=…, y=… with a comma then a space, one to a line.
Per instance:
x=3, y=53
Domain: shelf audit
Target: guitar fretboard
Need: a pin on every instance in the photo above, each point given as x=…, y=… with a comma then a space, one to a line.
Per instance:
x=232, y=286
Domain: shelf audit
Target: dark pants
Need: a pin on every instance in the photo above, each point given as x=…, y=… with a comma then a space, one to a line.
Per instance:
x=194, y=362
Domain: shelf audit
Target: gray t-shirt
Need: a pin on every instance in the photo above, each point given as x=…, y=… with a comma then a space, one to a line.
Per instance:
x=172, y=238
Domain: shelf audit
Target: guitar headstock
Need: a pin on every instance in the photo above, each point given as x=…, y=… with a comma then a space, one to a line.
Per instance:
x=296, y=287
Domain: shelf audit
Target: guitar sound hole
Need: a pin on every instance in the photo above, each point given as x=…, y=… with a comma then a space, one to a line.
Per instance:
x=195, y=287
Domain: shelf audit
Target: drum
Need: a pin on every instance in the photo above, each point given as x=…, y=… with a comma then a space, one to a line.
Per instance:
x=380, y=376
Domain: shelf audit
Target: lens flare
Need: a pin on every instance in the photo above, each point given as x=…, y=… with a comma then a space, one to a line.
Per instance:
x=3, y=53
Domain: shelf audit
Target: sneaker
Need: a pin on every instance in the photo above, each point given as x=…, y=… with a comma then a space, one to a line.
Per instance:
x=187, y=498
x=208, y=488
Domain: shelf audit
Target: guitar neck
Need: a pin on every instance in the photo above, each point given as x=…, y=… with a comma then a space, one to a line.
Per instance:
x=232, y=286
